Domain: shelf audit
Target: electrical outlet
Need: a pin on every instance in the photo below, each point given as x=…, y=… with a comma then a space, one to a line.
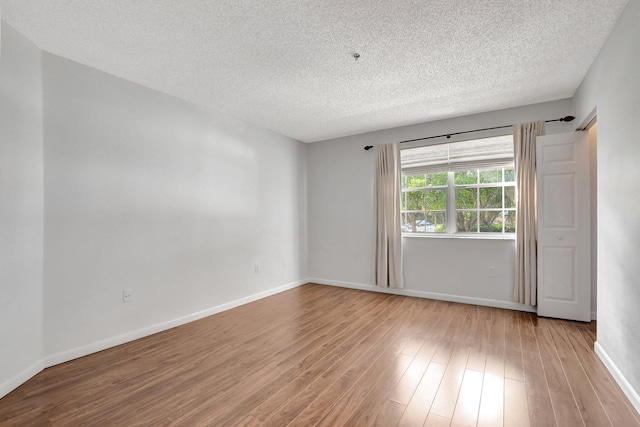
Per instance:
x=492, y=272
x=127, y=295
x=256, y=269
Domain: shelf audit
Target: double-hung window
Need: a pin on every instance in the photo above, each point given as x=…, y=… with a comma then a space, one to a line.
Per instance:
x=461, y=188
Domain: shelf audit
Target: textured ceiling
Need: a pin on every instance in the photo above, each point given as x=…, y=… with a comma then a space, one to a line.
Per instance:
x=287, y=65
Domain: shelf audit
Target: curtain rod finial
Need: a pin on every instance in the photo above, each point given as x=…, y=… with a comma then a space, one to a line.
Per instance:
x=368, y=147
x=567, y=119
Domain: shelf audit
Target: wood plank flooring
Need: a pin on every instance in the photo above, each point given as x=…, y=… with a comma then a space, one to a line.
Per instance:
x=319, y=355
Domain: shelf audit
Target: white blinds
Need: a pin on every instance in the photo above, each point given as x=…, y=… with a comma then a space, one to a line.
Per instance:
x=475, y=154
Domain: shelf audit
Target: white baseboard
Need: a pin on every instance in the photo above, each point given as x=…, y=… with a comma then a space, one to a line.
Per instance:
x=15, y=382
x=628, y=390
x=65, y=356
x=430, y=295
x=94, y=347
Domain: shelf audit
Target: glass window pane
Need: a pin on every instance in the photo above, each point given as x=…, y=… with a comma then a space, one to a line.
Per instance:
x=465, y=177
x=437, y=179
x=436, y=222
x=489, y=176
x=436, y=199
x=427, y=226
x=406, y=226
x=414, y=181
x=466, y=198
x=491, y=221
x=414, y=201
x=510, y=222
x=509, y=197
x=419, y=225
x=491, y=197
x=466, y=221
x=509, y=175
x=411, y=221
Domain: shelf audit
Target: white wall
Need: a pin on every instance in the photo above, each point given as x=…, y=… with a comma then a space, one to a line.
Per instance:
x=612, y=86
x=21, y=212
x=146, y=192
x=341, y=230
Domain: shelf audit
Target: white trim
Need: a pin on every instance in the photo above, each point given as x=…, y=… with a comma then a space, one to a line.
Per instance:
x=15, y=382
x=94, y=347
x=65, y=356
x=594, y=315
x=475, y=236
x=589, y=120
x=429, y=295
x=628, y=390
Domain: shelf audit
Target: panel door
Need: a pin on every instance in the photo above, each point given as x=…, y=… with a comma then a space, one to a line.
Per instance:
x=564, y=260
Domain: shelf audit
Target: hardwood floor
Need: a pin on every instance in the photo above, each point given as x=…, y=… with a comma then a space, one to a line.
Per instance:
x=318, y=355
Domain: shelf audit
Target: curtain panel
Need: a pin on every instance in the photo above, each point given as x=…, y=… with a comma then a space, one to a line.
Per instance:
x=388, y=189
x=526, y=281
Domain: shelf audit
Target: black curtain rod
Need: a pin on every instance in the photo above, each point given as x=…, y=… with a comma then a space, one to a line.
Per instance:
x=449, y=135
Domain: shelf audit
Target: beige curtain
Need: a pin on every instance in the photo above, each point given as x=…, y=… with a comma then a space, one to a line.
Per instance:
x=526, y=284
x=387, y=216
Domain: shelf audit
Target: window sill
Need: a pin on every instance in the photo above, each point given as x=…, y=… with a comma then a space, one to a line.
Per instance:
x=460, y=236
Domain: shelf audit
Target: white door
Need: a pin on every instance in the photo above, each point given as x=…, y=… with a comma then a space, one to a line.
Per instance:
x=564, y=254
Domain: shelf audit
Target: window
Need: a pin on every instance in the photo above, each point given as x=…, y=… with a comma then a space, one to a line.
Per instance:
x=459, y=188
